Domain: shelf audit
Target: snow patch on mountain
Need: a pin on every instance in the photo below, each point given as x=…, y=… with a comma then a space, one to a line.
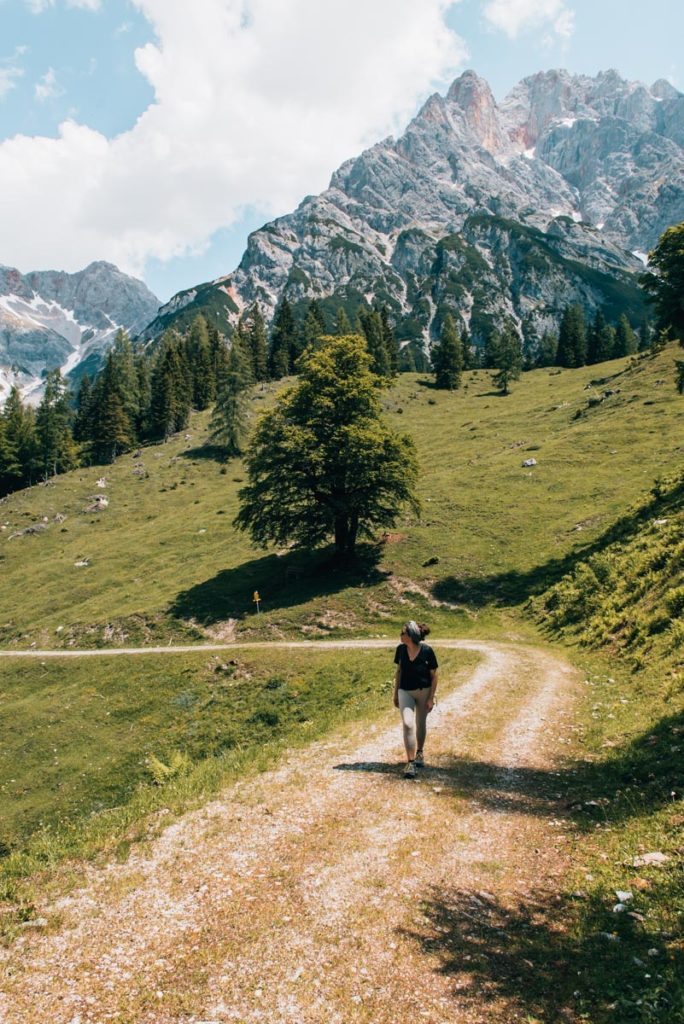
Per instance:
x=51, y=319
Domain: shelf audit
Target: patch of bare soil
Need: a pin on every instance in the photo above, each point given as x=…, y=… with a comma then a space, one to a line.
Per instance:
x=401, y=586
x=320, y=891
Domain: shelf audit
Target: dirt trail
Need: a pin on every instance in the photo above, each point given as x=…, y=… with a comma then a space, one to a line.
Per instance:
x=315, y=892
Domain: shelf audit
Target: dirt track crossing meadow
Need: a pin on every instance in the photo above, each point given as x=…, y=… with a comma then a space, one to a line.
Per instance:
x=320, y=891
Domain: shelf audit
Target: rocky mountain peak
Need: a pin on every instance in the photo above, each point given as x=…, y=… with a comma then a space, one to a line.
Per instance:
x=664, y=90
x=472, y=96
x=52, y=318
x=486, y=210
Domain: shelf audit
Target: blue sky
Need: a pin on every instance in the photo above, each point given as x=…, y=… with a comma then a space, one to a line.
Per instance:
x=156, y=134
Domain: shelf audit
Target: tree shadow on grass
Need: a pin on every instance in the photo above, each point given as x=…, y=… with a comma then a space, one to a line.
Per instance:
x=282, y=582
x=513, y=587
x=550, y=957
x=525, y=957
x=211, y=452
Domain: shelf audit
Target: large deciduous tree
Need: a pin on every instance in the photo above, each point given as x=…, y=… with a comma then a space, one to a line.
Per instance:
x=666, y=281
x=323, y=464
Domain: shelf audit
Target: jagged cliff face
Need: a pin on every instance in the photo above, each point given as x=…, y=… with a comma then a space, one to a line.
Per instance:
x=51, y=319
x=554, y=195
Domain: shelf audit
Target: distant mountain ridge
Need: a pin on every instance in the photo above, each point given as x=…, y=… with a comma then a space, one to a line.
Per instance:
x=553, y=195
x=52, y=319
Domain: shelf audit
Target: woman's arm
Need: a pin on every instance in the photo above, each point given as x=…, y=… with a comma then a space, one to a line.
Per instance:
x=433, y=686
x=397, y=680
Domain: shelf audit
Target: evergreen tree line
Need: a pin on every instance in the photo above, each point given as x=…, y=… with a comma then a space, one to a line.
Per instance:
x=137, y=397
x=576, y=344
x=37, y=443
x=582, y=343
x=289, y=340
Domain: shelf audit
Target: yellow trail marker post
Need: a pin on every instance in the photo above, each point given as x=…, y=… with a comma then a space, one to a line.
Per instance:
x=256, y=600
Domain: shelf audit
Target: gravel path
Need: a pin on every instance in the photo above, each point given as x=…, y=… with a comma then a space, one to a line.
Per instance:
x=313, y=893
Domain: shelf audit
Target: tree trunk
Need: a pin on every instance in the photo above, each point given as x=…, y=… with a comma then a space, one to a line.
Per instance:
x=341, y=535
x=346, y=529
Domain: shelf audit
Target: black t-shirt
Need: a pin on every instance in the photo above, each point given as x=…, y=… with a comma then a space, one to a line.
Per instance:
x=415, y=675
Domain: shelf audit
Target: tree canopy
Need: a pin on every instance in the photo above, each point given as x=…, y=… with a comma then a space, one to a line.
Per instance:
x=322, y=463
x=666, y=285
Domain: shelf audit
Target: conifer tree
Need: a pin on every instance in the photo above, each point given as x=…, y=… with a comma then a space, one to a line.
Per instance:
x=84, y=403
x=679, y=375
x=20, y=431
x=199, y=360
x=625, y=339
x=313, y=328
x=342, y=325
x=218, y=351
x=10, y=467
x=125, y=374
x=56, y=448
x=391, y=346
x=371, y=323
x=661, y=339
x=407, y=360
x=240, y=356
x=509, y=357
x=447, y=356
x=257, y=343
x=144, y=375
x=645, y=334
x=601, y=340
x=170, y=389
x=490, y=352
x=284, y=342
x=547, y=350
x=110, y=428
x=228, y=426
x=572, y=340
x=466, y=342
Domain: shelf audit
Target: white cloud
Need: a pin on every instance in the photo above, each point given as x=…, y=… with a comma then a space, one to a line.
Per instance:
x=515, y=16
x=256, y=103
x=48, y=87
x=38, y=6
x=8, y=75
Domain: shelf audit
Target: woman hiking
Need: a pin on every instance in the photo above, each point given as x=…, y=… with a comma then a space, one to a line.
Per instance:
x=415, y=682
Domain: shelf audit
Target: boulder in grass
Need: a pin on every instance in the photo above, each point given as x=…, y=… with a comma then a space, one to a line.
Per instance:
x=99, y=503
x=529, y=462
x=655, y=859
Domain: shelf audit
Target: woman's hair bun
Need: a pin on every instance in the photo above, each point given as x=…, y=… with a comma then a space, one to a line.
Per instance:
x=424, y=630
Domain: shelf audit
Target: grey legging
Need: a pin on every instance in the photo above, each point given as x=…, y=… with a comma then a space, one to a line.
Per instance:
x=412, y=705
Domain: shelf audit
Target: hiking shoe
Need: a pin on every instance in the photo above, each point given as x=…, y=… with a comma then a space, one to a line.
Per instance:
x=420, y=760
x=410, y=770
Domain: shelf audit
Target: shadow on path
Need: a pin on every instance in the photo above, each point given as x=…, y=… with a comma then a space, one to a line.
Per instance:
x=643, y=774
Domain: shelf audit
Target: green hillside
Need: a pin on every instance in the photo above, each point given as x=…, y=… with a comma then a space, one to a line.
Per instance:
x=162, y=560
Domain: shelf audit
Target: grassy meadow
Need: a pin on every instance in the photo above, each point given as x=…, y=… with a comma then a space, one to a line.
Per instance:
x=93, y=751
x=162, y=562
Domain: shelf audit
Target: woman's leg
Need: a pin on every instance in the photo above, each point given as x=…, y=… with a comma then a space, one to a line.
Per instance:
x=407, y=706
x=421, y=698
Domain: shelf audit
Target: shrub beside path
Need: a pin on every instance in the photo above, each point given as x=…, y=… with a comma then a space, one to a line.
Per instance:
x=320, y=891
